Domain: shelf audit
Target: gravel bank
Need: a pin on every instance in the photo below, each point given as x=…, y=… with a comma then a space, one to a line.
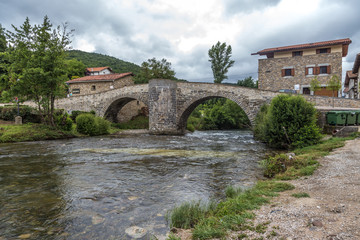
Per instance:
x=333, y=209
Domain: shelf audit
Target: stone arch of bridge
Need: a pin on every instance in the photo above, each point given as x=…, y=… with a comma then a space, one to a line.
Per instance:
x=114, y=105
x=190, y=106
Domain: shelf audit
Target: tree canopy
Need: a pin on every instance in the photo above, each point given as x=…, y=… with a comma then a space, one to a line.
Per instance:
x=152, y=69
x=247, y=82
x=37, y=69
x=220, y=59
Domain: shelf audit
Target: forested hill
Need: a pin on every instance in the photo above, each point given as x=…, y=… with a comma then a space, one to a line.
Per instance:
x=100, y=60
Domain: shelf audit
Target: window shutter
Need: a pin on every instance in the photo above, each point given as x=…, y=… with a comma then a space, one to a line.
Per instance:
x=292, y=72
x=306, y=71
x=328, y=50
x=316, y=70
x=283, y=72
x=328, y=70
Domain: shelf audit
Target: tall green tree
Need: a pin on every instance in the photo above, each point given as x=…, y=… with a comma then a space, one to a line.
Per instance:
x=152, y=69
x=334, y=85
x=37, y=71
x=220, y=59
x=247, y=82
x=315, y=84
x=4, y=79
x=75, y=68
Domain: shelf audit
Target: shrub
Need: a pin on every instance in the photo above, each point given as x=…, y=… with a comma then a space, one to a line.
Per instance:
x=28, y=114
x=85, y=124
x=289, y=122
x=64, y=122
x=74, y=114
x=275, y=165
x=90, y=125
x=102, y=125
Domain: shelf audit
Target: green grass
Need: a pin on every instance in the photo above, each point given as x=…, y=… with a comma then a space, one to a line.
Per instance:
x=232, y=214
x=300, y=195
x=31, y=132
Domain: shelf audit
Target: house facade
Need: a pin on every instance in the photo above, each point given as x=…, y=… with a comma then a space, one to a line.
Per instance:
x=98, y=71
x=99, y=83
x=351, y=84
x=293, y=67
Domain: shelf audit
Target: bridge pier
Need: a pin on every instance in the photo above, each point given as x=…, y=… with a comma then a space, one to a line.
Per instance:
x=162, y=108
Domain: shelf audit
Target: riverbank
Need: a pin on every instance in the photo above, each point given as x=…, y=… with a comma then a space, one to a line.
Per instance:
x=333, y=209
x=322, y=206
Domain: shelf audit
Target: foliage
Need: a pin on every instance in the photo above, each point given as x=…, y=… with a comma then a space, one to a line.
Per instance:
x=248, y=82
x=37, y=63
x=30, y=132
x=100, y=60
x=334, y=85
x=88, y=124
x=261, y=121
x=188, y=214
x=315, y=84
x=289, y=122
x=218, y=114
x=64, y=122
x=232, y=192
x=3, y=42
x=155, y=69
x=4, y=79
x=74, y=69
x=220, y=55
x=28, y=114
x=76, y=113
x=138, y=122
x=300, y=195
x=232, y=213
x=276, y=164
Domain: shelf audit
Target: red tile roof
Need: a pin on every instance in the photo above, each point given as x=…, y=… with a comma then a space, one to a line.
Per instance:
x=345, y=41
x=356, y=64
x=101, y=78
x=97, y=69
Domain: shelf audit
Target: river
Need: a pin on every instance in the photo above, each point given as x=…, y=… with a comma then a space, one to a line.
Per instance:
x=95, y=188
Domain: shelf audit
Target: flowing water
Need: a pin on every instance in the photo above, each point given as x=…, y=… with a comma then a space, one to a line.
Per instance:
x=95, y=188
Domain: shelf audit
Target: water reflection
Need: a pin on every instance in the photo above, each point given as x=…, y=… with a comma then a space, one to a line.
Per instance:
x=95, y=188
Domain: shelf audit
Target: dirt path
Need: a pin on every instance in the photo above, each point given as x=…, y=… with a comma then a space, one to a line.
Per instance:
x=333, y=209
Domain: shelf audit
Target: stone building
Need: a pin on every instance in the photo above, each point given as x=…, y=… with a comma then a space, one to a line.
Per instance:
x=293, y=67
x=99, y=83
x=98, y=71
x=351, y=84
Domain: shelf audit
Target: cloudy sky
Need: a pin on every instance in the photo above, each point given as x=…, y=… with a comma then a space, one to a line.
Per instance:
x=182, y=31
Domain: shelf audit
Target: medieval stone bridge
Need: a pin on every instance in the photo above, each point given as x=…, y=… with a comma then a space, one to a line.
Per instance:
x=170, y=103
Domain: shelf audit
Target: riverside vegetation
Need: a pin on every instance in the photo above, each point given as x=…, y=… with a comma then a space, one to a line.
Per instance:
x=233, y=215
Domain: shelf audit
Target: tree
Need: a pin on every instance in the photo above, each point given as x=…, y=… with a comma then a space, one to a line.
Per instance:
x=4, y=79
x=37, y=68
x=315, y=84
x=153, y=69
x=220, y=55
x=334, y=84
x=75, y=68
x=247, y=82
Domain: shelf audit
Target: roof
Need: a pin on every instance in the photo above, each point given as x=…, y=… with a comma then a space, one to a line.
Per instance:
x=345, y=41
x=349, y=75
x=101, y=78
x=97, y=69
x=356, y=64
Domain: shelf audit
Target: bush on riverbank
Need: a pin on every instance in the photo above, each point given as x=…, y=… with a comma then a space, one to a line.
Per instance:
x=28, y=114
x=88, y=124
x=289, y=122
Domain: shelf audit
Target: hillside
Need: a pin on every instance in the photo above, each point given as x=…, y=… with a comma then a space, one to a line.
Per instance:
x=100, y=60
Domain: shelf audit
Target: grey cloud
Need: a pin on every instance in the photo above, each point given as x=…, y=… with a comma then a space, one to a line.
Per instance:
x=247, y=6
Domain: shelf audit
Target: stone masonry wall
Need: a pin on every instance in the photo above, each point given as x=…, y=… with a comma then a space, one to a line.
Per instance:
x=86, y=87
x=270, y=70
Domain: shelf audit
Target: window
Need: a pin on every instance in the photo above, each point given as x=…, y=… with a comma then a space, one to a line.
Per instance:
x=297, y=53
x=306, y=90
x=93, y=88
x=323, y=70
x=76, y=91
x=287, y=72
x=309, y=71
x=323, y=50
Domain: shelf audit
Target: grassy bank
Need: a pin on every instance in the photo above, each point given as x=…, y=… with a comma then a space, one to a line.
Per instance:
x=233, y=216
x=31, y=132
